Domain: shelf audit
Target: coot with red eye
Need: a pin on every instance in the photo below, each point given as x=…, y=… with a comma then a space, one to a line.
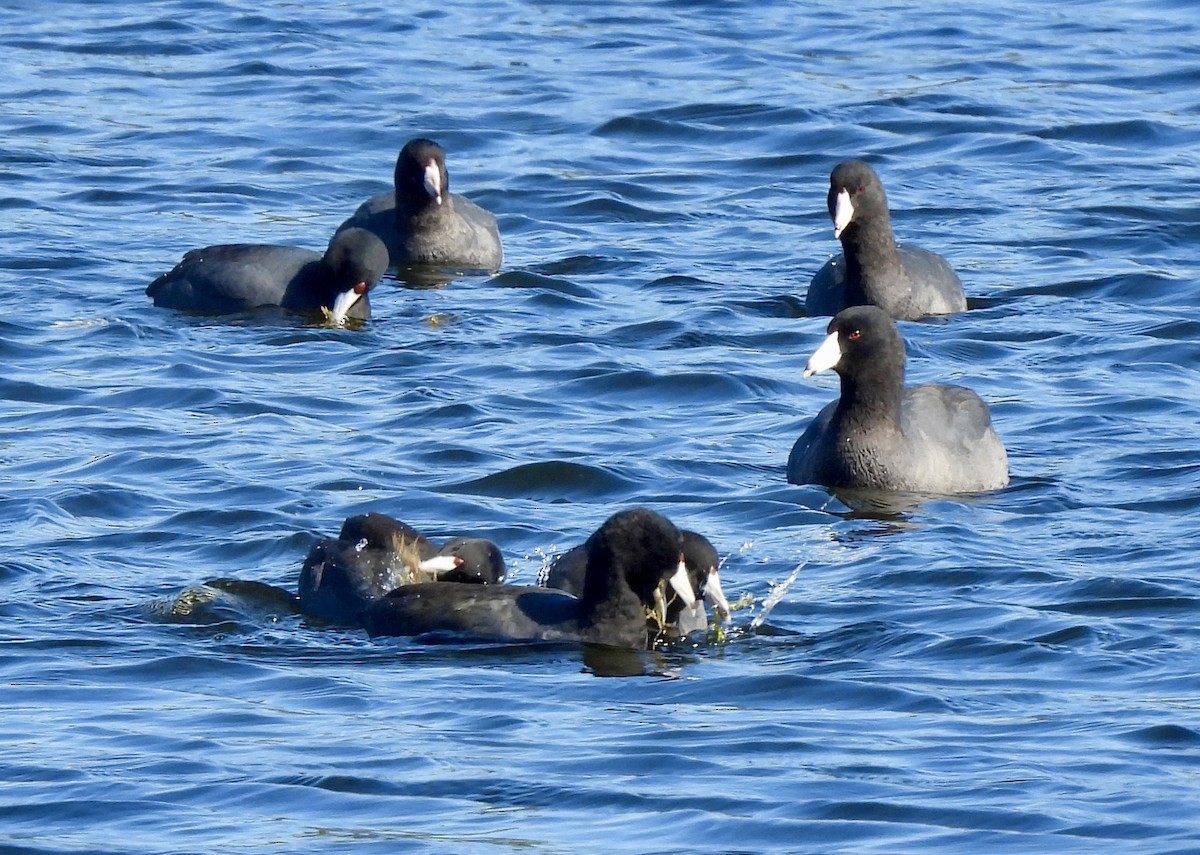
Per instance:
x=881, y=435
x=240, y=277
x=907, y=282
x=423, y=223
x=628, y=557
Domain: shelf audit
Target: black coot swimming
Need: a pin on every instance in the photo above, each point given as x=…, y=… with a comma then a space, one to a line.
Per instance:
x=907, y=282
x=423, y=223
x=628, y=558
x=240, y=277
x=374, y=554
x=702, y=562
x=882, y=435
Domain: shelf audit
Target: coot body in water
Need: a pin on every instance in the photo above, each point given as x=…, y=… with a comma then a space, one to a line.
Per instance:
x=702, y=562
x=241, y=277
x=882, y=435
x=907, y=282
x=374, y=554
x=629, y=557
x=423, y=223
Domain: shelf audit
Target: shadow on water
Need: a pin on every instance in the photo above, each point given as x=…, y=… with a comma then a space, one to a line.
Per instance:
x=425, y=276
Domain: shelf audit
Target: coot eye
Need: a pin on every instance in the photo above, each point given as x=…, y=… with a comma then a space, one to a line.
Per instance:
x=855, y=335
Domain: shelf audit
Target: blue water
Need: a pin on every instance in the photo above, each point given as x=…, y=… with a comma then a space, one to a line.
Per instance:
x=1016, y=672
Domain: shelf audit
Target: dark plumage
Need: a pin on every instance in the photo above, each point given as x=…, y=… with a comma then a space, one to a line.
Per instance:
x=423, y=223
x=467, y=559
x=699, y=556
x=375, y=554
x=881, y=435
x=905, y=281
x=629, y=556
x=241, y=277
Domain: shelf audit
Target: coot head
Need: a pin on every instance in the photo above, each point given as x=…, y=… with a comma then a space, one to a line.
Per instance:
x=467, y=559
x=855, y=192
x=356, y=259
x=864, y=347
x=420, y=177
x=703, y=564
x=460, y=559
x=671, y=615
x=628, y=559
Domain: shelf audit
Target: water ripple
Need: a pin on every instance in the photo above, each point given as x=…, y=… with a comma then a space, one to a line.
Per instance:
x=1006, y=672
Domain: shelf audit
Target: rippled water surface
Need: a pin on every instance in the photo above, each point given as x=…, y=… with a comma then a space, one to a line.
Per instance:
x=1013, y=672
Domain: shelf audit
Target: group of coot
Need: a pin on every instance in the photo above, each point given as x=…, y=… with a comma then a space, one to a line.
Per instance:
x=637, y=577
x=420, y=223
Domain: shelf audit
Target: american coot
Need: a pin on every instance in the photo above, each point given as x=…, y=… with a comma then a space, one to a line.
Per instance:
x=629, y=556
x=375, y=553
x=242, y=276
x=880, y=435
x=905, y=281
x=423, y=223
x=700, y=558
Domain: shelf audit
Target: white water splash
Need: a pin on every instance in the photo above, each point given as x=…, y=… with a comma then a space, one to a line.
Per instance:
x=775, y=596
